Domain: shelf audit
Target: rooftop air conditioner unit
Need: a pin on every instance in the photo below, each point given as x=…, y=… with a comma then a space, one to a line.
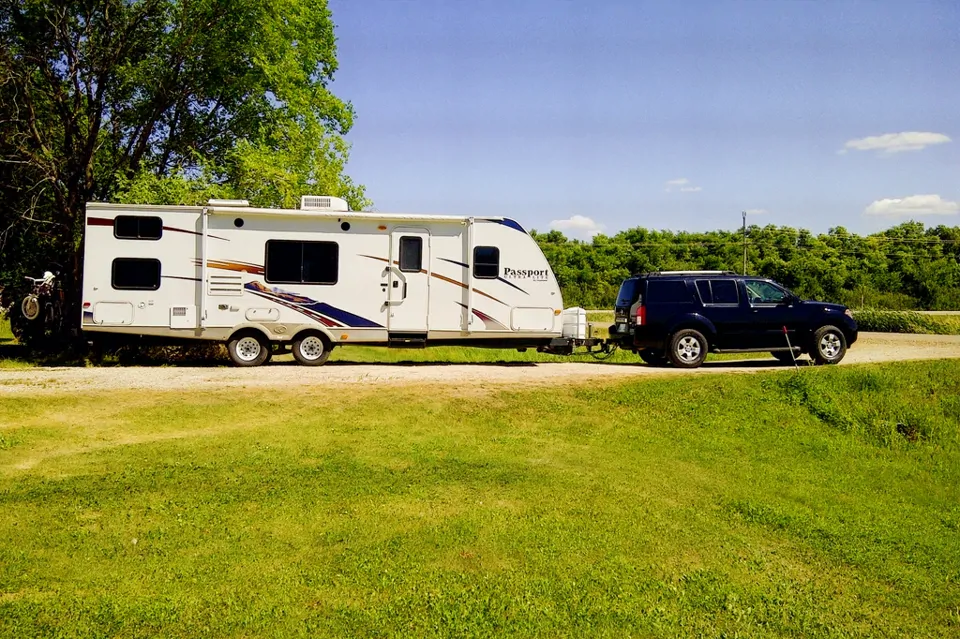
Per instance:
x=323, y=203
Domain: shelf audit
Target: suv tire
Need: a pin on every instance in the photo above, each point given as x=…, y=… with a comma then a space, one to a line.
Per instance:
x=829, y=345
x=688, y=348
x=653, y=356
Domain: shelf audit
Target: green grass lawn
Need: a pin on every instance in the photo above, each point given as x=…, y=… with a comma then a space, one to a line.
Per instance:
x=766, y=505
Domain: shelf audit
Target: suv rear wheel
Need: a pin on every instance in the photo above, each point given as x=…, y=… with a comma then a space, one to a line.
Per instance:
x=688, y=348
x=829, y=345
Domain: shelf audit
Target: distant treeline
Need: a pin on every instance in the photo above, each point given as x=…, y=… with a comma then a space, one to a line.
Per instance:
x=903, y=268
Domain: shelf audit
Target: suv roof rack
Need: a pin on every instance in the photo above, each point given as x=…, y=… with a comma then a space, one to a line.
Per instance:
x=686, y=273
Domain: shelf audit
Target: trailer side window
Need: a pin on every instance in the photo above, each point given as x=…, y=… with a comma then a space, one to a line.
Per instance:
x=486, y=262
x=137, y=227
x=135, y=274
x=411, y=254
x=295, y=262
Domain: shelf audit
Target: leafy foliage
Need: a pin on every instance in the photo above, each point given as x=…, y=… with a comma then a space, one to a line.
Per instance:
x=903, y=268
x=159, y=101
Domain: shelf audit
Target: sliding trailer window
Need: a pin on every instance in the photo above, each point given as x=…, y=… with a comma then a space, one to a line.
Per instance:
x=137, y=227
x=295, y=262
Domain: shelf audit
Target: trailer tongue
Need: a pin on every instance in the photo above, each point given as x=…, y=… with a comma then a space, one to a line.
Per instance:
x=576, y=333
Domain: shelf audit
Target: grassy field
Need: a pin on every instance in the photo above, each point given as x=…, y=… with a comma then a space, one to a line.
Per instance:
x=767, y=505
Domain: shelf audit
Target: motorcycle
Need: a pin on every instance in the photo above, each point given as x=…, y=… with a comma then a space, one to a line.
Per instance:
x=40, y=310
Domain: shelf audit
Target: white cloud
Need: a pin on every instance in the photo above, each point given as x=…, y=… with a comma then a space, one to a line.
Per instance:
x=913, y=205
x=681, y=184
x=895, y=142
x=756, y=211
x=578, y=226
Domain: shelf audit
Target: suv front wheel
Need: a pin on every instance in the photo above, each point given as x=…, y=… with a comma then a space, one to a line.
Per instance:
x=829, y=345
x=688, y=348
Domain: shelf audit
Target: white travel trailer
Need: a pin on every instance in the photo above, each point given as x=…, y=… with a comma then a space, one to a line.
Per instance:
x=314, y=278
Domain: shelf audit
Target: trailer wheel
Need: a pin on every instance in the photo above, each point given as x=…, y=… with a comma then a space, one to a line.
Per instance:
x=248, y=349
x=311, y=349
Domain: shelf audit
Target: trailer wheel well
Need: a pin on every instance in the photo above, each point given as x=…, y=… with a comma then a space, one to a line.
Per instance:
x=314, y=331
x=250, y=330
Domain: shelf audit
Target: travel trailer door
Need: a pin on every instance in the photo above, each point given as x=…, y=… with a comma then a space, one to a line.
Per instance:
x=408, y=288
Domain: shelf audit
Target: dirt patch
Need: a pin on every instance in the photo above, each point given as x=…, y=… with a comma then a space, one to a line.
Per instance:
x=871, y=348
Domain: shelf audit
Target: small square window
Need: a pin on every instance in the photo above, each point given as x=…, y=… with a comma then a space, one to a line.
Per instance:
x=486, y=262
x=135, y=274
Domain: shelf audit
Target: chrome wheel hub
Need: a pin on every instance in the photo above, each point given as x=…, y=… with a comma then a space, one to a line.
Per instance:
x=311, y=348
x=688, y=349
x=830, y=345
x=248, y=349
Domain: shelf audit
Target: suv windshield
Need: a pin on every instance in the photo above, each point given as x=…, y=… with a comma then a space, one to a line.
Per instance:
x=629, y=292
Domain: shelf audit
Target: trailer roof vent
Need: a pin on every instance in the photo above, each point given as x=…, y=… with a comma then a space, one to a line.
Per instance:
x=323, y=203
x=228, y=203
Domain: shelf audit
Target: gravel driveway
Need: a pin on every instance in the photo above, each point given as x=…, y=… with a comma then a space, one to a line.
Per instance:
x=872, y=347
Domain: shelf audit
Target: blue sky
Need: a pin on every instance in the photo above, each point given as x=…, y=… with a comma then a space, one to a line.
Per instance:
x=605, y=115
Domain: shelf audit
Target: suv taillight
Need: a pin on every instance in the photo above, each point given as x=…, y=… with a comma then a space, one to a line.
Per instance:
x=641, y=315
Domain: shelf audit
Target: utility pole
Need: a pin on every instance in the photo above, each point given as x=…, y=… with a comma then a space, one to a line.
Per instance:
x=744, y=242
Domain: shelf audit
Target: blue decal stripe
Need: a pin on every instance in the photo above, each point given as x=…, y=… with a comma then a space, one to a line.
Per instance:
x=307, y=305
x=513, y=285
x=513, y=224
x=453, y=262
x=507, y=282
x=346, y=317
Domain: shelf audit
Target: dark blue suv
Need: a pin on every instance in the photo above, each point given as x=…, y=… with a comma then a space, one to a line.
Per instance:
x=680, y=316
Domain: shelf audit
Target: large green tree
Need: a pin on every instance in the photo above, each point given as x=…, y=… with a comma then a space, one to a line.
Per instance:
x=160, y=100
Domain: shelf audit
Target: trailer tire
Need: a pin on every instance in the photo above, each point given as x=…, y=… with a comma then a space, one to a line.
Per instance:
x=248, y=348
x=311, y=349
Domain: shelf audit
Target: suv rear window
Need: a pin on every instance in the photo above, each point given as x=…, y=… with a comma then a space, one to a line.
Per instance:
x=629, y=292
x=668, y=292
x=718, y=291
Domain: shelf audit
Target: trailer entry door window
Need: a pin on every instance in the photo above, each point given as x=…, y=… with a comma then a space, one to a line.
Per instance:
x=411, y=254
x=294, y=262
x=486, y=262
x=137, y=227
x=135, y=274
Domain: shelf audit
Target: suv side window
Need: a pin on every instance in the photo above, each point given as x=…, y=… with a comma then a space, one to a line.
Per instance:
x=718, y=292
x=761, y=292
x=668, y=292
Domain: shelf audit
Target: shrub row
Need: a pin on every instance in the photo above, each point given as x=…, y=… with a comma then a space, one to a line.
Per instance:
x=907, y=322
